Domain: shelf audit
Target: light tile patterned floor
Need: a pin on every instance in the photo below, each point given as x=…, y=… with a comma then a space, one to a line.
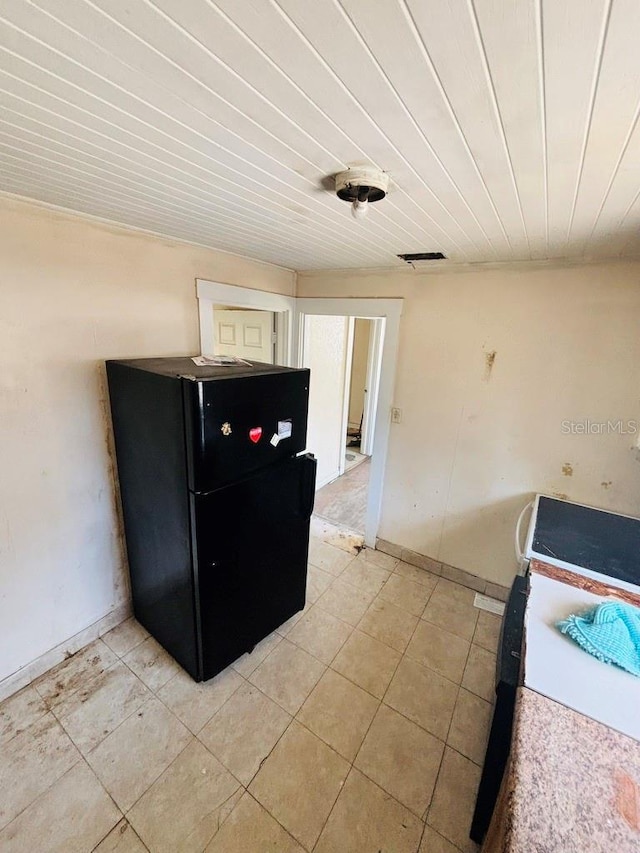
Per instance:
x=358, y=727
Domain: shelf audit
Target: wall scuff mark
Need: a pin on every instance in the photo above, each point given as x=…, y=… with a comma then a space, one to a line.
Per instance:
x=489, y=360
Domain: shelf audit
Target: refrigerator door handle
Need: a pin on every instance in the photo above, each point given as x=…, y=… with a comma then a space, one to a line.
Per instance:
x=307, y=485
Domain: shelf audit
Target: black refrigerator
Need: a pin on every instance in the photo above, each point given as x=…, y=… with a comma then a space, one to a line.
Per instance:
x=217, y=496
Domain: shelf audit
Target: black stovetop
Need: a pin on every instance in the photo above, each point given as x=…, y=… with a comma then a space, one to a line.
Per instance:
x=590, y=538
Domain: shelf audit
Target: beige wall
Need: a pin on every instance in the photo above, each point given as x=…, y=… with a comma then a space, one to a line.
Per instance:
x=72, y=294
x=491, y=363
x=358, y=370
x=474, y=443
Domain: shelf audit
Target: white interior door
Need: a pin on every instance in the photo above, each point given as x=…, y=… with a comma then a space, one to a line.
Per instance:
x=245, y=334
x=358, y=389
x=348, y=362
x=324, y=352
x=374, y=368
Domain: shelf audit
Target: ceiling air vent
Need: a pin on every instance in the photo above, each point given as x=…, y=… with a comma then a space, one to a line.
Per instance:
x=412, y=257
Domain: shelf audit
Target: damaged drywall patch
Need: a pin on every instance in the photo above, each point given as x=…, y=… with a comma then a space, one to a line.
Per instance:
x=567, y=469
x=489, y=361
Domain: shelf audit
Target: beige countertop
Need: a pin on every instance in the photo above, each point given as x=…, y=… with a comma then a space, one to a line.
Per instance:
x=573, y=784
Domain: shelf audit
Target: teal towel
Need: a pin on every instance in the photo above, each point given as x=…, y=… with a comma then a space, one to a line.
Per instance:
x=610, y=632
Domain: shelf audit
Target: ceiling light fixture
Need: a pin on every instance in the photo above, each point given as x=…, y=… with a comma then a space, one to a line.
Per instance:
x=361, y=185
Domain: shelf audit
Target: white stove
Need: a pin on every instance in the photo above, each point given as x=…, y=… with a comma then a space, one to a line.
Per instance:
x=593, y=555
x=559, y=668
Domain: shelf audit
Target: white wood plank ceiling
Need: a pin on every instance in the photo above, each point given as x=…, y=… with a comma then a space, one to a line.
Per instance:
x=509, y=127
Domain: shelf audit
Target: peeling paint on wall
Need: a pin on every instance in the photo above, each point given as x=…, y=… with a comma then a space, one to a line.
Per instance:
x=567, y=469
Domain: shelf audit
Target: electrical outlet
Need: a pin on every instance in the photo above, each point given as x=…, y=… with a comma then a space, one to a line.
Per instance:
x=396, y=416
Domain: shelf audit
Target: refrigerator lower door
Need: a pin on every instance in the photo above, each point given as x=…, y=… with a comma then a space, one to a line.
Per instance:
x=251, y=540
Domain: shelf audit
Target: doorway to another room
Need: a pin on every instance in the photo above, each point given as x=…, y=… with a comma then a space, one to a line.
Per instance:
x=344, y=356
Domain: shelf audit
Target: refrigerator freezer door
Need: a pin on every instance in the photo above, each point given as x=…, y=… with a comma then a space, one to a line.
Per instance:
x=238, y=426
x=251, y=539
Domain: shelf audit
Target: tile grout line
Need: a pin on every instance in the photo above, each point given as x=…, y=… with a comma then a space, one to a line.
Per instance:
x=81, y=759
x=402, y=654
x=151, y=784
x=245, y=681
x=428, y=810
x=380, y=703
x=459, y=688
x=221, y=806
x=262, y=806
x=423, y=819
x=123, y=817
x=267, y=756
x=54, y=782
x=155, y=779
x=81, y=756
x=128, y=717
x=134, y=646
x=333, y=805
x=262, y=761
x=352, y=765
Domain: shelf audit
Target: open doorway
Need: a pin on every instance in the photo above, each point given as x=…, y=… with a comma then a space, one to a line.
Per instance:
x=344, y=355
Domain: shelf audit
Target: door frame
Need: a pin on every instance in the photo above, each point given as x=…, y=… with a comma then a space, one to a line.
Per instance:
x=388, y=312
x=289, y=312
x=212, y=293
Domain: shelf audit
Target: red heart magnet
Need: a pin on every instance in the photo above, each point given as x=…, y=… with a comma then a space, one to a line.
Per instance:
x=255, y=434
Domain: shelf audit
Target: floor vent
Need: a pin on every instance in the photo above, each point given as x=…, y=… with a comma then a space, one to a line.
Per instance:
x=483, y=602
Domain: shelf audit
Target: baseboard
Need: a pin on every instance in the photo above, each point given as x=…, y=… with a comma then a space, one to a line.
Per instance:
x=29, y=672
x=464, y=578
